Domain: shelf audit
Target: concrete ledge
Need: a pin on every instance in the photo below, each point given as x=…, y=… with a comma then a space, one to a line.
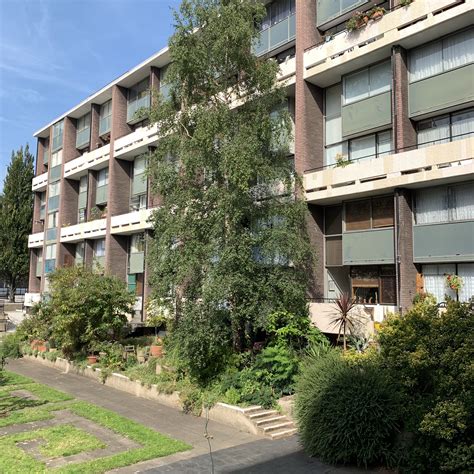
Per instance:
x=229, y=415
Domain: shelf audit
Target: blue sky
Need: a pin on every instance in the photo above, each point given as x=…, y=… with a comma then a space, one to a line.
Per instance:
x=54, y=53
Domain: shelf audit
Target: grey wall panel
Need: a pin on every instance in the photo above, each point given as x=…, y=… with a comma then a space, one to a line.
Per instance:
x=368, y=247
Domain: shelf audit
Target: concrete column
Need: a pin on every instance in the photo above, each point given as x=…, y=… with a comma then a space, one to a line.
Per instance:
x=404, y=133
x=407, y=271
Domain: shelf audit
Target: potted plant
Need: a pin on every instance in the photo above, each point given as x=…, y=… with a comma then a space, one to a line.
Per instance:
x=454, y=282
x=376, y=13
x=92, y=358
x=342, y=161
x=156, y=349
x=405, y=3
x=157, y=315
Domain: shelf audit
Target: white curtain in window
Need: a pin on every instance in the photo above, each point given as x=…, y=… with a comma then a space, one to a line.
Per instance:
x=435, y=280
x=380, y=78
x=356, y=86
x=363, y=148
x=462, y=206
x=466, y=272
x=433, y=132
x=426, y=61
x=462, y=125
x=431, y=206
x=458, y=49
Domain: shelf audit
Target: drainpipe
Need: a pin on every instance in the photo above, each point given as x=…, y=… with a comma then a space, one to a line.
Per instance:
x=396, y=240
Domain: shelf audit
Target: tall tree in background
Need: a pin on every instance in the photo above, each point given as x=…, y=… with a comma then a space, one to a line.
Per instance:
x=230, y=243
x=16, y=214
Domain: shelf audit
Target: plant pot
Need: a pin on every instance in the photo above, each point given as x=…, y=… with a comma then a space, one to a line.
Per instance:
x=377, y=15
x=42, y=348
x=92, y=359
x=366, y=19
x=156, y=351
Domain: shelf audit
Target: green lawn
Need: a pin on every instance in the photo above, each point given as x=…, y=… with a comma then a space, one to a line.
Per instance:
x=66, y=440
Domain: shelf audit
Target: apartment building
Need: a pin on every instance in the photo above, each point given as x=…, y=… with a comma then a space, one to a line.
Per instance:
x=384, y=140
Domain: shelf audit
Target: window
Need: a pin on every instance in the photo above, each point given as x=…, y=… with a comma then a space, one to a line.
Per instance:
x=435, y=281
x=84, y=122
x=137, y=243
x=441, y=56
x=103, y=177
x=83, y=184
x=81, y=215
x=445, y=128
x=83, y=130
x=56, y=158
x=369, y=213
x=368, y=82
x=51, y=252
x=54, y=189
x=58, y=135
x=52, y=220
x=99, y=248
x=105, y=117
x=373, y=284
x=138, y=202
x=79, y=256
x=445, y=204
x=333, y=232
x=164, y=86
x=278, y=11
x=138, y=91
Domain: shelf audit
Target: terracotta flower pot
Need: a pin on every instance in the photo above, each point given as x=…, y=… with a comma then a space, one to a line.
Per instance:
x=377, y=15
x=92, y=359
x=42, y=348
x=156, y=351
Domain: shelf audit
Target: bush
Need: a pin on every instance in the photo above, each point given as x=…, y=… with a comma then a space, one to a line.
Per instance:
x=432, y=355
x=10, y=346
x=346, y=412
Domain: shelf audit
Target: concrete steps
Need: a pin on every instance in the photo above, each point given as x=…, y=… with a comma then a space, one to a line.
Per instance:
x=270, y=423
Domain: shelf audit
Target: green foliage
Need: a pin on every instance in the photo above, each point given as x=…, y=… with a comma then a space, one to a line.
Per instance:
x=16, y=214
x=346, y=413
x=10, y=347
x=202, y=340
x=217, y=242
x=431, y=355
x=38, y=324
x=292, y=331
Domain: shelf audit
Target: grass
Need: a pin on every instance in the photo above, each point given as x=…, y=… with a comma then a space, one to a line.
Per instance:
x=65, y=440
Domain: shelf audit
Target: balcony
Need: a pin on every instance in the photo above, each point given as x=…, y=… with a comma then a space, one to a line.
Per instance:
x=443, y=242
x=287, y=71
x=36, y=240
x=83, y=138
x=85, y=230
x=322, y=314
x=39, y=182
x=132, y=222
x=435, y=164
x=136, y=143
x=275, y=36
x=134, y=106
x=410, y=26
x=93, y=160
x=368, y=247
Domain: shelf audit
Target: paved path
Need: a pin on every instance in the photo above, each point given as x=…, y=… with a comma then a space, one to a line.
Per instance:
x=233, y=451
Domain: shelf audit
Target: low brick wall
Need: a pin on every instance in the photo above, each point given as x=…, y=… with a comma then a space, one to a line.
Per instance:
x=221, y=412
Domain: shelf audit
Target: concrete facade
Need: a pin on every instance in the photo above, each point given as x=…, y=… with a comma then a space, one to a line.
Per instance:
x=384, y=186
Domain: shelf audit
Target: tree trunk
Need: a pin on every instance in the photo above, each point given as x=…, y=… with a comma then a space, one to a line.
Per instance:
x=12, y=290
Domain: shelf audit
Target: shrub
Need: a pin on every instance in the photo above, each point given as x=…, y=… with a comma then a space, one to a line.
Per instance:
x=346, y=413
x=432, y=355
x=10, y=347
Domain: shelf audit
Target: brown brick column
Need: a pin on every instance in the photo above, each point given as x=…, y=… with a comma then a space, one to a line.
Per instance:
x=146, y=276
x=116, y=255
x=88, y=253
x=404, y=235
x=91, y=191
x=67, y=252
x=95, y=117
x=43, y=144
x=37, y=226
x=404, y=133
x=315, y=228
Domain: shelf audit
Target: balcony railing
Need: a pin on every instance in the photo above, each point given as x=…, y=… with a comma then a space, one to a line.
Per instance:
x=57, y=142
x=83, y=138
x=134, y=106
x=40, y=182
x=36, y=240
x=55, y=173
x=275, y=36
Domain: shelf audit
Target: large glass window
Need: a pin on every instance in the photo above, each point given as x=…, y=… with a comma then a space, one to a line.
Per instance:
x=54, y=189
x=51, y=252
x=368, y=82
x=103, y=177
x=445, y=204
x=373, y=284
x=56, y=158
x=99, y=248
x=105, y=117
x=278, y=11
x=368, y=214
x=137, y=243
x=58, y=135
x=333, y=232
x=443, y=55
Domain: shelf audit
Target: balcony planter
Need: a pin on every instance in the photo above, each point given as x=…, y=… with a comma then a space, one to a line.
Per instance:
x=376, y=13
x=92, y=359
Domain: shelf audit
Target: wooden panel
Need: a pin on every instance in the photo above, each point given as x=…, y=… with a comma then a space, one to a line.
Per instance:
x=334, y=251
x=358, y=215
x=382, y=212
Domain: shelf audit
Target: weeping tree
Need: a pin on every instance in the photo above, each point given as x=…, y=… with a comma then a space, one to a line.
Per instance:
x=229, y=244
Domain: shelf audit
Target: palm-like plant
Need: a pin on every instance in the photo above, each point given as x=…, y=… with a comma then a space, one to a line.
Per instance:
x=342, y=319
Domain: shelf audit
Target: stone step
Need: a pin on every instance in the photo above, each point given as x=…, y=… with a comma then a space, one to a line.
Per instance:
x=261, y=413
x=252, y=409
x=270, y=419
x=283, y=434
x=278, y=427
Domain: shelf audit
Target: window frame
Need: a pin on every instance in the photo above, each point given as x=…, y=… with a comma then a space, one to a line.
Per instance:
x=345, y=230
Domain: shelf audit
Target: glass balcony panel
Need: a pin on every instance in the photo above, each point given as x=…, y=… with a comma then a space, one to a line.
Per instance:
x=39, y=267
x=55, y=173
x=136, y=262
x=46, y=156
x=82, y=200
x=49, y=265
x=101, y=194
x=51, y=234
x=139, y=184
x=42, y=212
x=104, y=125
x=277, y=35
x=99, y=262
x=83, y=137
x=261, y=44
x=53, y=203
x=57, y=142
